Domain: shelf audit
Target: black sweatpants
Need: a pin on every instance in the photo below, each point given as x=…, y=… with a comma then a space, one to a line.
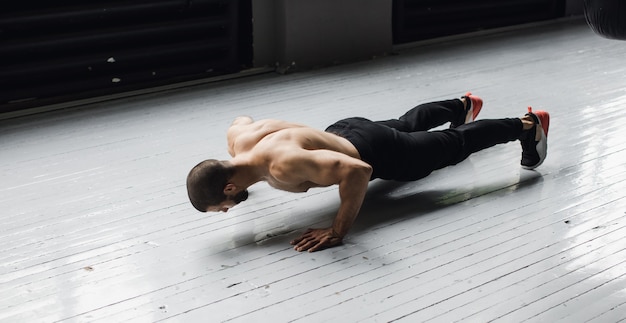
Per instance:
x=404, y=150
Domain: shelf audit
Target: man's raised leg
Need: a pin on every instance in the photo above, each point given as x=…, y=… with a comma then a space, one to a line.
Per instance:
x=430, y=115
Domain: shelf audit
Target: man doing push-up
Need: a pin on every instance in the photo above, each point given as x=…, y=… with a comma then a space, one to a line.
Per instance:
x=293, y=157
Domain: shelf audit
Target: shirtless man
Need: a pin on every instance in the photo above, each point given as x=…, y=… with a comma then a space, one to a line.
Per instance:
x=293, y=157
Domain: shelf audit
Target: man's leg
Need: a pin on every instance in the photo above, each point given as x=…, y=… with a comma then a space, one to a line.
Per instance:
x=531, y=130
x=417, y=154
x=431, y=150
x=430, y=115
x=482, y=134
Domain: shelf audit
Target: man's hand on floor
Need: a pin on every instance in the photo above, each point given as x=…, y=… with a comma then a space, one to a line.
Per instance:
x=316, y=239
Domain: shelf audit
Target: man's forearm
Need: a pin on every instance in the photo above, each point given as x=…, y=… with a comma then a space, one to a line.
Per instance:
x=351, y=192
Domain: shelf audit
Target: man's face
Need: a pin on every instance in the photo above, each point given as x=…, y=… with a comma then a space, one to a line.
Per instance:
x=239, y=197
x=231, y=200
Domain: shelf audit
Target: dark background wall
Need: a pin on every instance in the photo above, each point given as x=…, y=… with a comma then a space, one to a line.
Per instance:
x=67, y=50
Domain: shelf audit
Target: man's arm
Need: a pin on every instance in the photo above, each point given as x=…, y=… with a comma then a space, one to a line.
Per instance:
x=325, y=168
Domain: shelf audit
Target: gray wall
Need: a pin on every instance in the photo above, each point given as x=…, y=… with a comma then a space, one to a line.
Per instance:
x=292, y=34
x=264, y=32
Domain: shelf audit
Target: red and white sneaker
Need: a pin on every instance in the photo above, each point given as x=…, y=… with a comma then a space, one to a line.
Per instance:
x=472, y=109
x=535, y=140
x=476, y=103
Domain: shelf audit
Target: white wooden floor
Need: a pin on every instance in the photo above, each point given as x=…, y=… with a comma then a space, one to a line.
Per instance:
x=95, y=224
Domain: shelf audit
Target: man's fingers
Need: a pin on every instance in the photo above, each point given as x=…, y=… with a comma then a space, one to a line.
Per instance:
x=314, y=240
x=296, y=240
x=305, y=245
x=311, y=244
x=304, y=236
x=315, y=244
x=318, y=246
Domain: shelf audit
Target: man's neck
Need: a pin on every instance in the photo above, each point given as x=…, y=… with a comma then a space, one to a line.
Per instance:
x=247, y=173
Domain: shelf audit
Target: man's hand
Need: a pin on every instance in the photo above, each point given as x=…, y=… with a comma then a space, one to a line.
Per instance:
x=316, y=239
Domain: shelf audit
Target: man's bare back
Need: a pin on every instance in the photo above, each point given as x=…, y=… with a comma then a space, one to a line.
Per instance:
x=276, y=143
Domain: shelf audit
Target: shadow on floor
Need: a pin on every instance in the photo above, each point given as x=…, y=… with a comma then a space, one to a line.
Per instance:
x=388, y=201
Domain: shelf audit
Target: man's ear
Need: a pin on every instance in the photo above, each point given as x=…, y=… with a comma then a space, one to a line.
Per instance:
x=229, y=188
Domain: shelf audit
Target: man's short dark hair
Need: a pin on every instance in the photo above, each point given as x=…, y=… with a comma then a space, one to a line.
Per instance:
x=206, y=182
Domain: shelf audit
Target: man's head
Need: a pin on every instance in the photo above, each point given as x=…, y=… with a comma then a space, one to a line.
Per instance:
x=209, y=187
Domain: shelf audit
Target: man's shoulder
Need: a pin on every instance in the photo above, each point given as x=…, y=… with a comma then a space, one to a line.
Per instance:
x=242, y=120
x=245, y=137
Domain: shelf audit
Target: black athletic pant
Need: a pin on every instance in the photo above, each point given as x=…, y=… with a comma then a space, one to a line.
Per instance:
x=404, y=150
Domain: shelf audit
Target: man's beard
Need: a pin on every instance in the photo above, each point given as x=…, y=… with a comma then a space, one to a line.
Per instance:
x=239, y=197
